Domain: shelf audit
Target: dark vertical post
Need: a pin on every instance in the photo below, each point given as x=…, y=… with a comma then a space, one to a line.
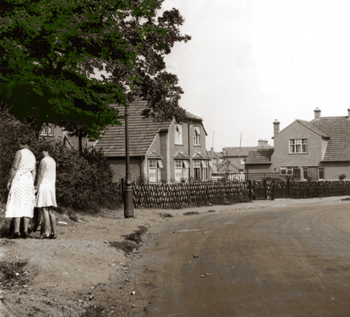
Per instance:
x=250, y=189
x=128, y=201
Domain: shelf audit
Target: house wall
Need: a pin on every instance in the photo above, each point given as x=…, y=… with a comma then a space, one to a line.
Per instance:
x=334, y=169
x=118, y=168
x=281, y=155
x=58, y=134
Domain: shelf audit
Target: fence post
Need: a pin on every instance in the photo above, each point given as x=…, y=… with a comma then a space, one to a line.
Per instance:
x=250, y=189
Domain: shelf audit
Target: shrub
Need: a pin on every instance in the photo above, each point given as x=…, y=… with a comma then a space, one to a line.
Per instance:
x=342, y=176
x=83, y=180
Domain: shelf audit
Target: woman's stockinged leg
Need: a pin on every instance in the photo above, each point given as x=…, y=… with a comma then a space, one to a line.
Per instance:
x=52, y=221
x=45, y=213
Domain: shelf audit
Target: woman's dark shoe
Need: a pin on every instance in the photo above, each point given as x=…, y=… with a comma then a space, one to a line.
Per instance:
x=15, y=235
x=53, y=236
x=45, y=236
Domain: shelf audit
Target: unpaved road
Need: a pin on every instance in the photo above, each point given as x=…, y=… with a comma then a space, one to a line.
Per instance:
x=280, y=258
x=289, y=261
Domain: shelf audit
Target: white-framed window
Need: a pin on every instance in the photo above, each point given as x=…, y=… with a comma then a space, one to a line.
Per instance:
x=154, y=170
x=289, y=170
x=182, y=168
x=204, y=165
x=196, y=136
x=47, y=130
x=298, y=146
x=178, y=134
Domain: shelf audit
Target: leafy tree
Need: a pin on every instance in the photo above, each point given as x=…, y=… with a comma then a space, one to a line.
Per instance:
x=49, y=49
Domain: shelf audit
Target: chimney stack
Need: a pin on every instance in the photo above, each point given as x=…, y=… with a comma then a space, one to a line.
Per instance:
x=276, y=129
x=317, y=113
x=262, y=143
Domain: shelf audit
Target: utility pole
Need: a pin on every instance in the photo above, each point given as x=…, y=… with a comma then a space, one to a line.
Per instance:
x=128, y=195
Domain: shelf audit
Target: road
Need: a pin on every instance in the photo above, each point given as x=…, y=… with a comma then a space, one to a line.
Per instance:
x=291, y=261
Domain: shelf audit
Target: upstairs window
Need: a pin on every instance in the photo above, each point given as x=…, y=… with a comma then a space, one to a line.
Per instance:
x=196, y=136
x=178, y=134
x=47, y=130
x=298, y=146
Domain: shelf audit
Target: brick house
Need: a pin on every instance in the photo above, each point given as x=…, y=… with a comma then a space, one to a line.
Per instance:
x=159, y=151
x=319, y=149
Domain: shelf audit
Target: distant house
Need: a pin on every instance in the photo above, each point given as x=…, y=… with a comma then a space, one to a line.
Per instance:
x=238, y=155
x=53, y=132
x=159, y=151
x=317, y=149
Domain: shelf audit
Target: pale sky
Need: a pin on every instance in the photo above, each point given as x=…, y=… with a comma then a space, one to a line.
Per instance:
x=253, y=61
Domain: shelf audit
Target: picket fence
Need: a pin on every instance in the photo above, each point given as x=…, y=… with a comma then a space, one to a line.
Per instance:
x=182, y=195
x=198, y=194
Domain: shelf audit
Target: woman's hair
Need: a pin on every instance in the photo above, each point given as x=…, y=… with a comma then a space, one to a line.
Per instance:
x=44, y=147
x=24, y=140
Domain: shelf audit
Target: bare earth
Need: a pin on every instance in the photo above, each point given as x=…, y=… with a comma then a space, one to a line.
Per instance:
x=81, y=268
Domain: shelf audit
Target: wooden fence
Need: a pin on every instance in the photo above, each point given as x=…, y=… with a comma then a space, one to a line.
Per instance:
x=185, y=195
x=199, y=194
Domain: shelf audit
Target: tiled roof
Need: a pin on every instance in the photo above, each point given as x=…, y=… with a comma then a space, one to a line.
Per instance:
x=216, y=155
x=142, y=132
x=338, y=128
x=239, y=151
x=313, y=128
x=232, y=165
x=260, y=156
x=192, y=116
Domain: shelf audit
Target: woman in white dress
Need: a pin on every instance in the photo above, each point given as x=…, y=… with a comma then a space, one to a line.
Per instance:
x=46, y=196
x=21, y=198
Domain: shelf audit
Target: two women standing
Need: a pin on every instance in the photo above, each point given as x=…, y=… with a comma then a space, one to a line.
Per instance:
x=21, y=200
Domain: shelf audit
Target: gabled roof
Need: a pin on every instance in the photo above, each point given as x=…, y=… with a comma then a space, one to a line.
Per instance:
x=313, y=128
x=199, y=156
x=154, y=155
x=142, y=132
x=338, y=128
x=260, y=156
x=181, y=156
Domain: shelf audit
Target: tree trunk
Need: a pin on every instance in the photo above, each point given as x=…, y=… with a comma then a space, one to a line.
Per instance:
x=80, y=142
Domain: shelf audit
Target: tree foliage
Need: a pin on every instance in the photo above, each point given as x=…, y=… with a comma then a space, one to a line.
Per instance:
x=49, y=49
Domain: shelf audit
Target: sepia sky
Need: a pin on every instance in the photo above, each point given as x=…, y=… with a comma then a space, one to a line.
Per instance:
x=251, y=61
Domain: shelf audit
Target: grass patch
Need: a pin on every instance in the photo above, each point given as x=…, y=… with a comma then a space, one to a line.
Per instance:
x=212, y=210
x=13, y=274
x=132, y=241
x=165, y=215
x=137, y=235
x=345, y=199
x=189, y=213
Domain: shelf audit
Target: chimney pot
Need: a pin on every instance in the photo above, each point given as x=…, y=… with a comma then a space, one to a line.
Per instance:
x=317, y=113
x=276, y=129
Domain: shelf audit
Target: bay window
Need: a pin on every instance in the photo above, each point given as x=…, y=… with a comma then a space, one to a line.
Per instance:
x=154, y=170
x=181, y=170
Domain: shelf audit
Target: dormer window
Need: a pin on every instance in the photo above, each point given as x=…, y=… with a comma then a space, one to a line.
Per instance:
x=196, y=136
x=178, y=134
